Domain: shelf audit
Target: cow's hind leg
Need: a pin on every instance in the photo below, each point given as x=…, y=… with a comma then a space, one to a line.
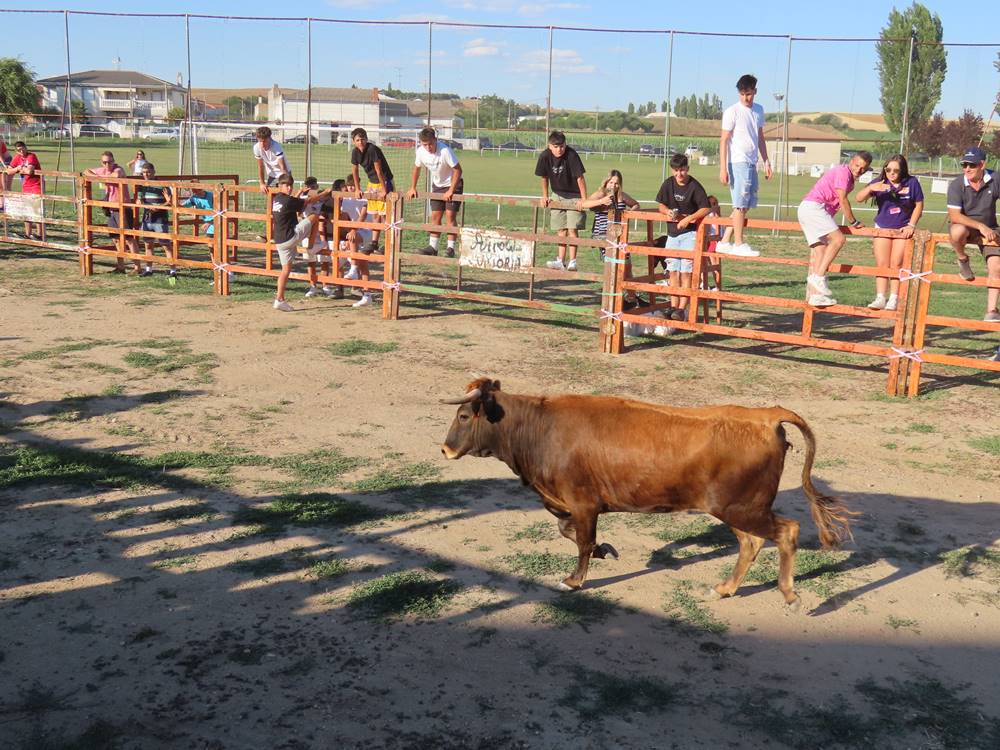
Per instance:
x=586, y=537
x=786, y=536
x=750, y=547
x=601, y=551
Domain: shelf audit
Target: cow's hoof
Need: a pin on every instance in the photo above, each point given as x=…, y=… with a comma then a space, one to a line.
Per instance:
x=563, y=586
x=795, y=605
x=710, y=593
x=606, y=550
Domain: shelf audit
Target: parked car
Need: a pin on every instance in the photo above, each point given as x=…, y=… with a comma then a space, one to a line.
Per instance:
x=302, y=139
x=647, y=149
x=455, y=145
x=169, y=134
x=514, y=146
x=581, y=149
x=248, y=137
x=96, y=131
x=397, y=142
x=485, y=143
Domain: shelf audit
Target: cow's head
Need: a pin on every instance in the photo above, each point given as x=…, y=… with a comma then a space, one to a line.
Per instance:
x=472, y=431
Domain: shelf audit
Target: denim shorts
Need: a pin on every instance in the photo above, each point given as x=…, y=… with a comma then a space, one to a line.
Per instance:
x=743, y=185
x=681, y=242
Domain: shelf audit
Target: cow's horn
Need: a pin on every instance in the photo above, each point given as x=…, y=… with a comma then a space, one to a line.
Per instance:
x=470, y=396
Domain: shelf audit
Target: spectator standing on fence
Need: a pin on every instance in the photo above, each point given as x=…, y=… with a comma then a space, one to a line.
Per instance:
x=742, y=138
x=110, y=168
x=972, y=211
x=369, y=157
x=26, y=164
x=154, y=219
x=446, y=177
x=900, y=201
x=314, y=245
x=562, y=170
x=684, y=201
x=271, y=162
x=287, y=231
x=828, y=196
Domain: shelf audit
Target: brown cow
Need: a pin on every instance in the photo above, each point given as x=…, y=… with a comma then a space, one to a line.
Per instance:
x=587, y=455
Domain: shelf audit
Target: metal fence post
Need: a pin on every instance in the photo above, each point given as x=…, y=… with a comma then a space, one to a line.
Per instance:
x=906, y=99
x=68, y=104
x=666, y=119
x=309, y=94
x=548, y=96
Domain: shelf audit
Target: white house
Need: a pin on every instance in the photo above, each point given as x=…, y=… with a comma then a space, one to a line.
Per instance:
x=116, y=95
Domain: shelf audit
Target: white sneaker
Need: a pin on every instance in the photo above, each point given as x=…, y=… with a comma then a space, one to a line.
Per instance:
x=282, y=305
x=663, y=331
x=571, y=266
x=556, y=265
x=821, y=300
x=878, y=303
x=724, y=247
x=334, y=292
x=366, y=299
x=819, y=284
x=354, y=273
x=744, y=249
x=892, y=303
x=357, y=291
x=313, y=291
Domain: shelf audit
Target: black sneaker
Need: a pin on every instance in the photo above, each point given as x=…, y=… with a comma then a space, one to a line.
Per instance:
x=678, y=314
x=372, y=247
x=450, y=252
x=146, y=272
x=429, y=250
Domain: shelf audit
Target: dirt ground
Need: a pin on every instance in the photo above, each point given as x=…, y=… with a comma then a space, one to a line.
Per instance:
x=227, y=527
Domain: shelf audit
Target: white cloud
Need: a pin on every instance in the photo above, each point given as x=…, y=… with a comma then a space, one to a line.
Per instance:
x=420, y=17
x=351, y=4
x=564, y=62
x=481, y=48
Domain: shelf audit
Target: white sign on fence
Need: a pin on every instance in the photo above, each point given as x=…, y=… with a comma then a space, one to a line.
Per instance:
x=939, y=186
x=23, y=206
x=482, y=248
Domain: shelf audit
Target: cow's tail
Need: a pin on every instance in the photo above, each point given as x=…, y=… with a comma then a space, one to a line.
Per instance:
x=831, y=516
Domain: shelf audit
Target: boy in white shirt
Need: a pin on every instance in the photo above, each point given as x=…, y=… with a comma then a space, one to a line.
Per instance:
x=446, y=178
x=270, y=158
x=742, y=137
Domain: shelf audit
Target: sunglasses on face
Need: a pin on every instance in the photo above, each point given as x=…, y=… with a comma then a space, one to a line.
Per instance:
x=968, y=165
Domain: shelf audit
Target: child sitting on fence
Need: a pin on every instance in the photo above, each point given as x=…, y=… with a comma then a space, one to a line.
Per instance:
x=201, y=198
x=288, y=231
x=355, y=240
x=314, y=245
x=154, y=219
x=610, y=196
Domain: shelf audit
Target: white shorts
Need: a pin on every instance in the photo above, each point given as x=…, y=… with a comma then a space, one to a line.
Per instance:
x=288, y=249
x=816, y=223
x=683, y=241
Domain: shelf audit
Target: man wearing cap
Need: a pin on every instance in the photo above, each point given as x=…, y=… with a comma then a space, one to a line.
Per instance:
x=972, y=211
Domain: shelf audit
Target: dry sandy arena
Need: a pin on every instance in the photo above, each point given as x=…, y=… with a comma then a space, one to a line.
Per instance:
x=226, y=527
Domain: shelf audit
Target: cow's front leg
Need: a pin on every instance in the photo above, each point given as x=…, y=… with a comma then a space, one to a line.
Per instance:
x=601, y=551
x=586, y=538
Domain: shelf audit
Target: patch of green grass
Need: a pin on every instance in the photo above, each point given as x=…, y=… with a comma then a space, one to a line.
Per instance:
x=320, y=466
x=595, y=694
x=535, y=565
x=921, y=428
x=355, y=347
x=175, y=356
x=54, y=351
x=399, y=594
x=182, y=561
x=398, y=477
x=277, y=330
x=312, y=509
x=539, y=531
x=575, y=608
x=687, y=611
x=331, y=568
x=190, y=511
x=901, y=622
x=970, y=561
x=440, y=565
x=101, y=368
x=124, y=430
x=830, y=724
x=988, y=444
x=113, y=390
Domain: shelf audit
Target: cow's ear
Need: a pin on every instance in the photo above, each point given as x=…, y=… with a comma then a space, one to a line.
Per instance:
x=496, y=385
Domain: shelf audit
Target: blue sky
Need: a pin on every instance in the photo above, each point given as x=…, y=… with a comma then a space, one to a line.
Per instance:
x=591, y=70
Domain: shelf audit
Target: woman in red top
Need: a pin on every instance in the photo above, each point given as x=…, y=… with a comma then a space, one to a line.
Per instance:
x=26, y=164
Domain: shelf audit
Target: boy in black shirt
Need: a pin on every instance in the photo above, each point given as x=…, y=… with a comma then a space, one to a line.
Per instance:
x=561, y=167
x=683, y=200
x=287, y=231
x=380, y=180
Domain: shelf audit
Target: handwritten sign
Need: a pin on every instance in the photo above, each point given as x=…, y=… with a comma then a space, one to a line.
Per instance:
x=482, y=248
x=23, y=206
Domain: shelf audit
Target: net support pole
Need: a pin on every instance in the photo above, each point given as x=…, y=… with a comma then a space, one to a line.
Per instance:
x=548, y=95
x=666, y=118
x=187, y=103
x=430, y=66
x=906, y=99
x=784, y=132
x=68, y=104
x=309, y=94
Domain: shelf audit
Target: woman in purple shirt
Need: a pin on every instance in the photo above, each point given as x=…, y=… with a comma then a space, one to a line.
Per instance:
x=900, y=202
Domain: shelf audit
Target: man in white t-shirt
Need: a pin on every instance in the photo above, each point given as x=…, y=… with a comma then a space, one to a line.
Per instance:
x=742, y=137
x=270, y=159
x=446, y=178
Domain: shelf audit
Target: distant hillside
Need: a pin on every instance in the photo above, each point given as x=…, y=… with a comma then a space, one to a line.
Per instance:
x=853, y=120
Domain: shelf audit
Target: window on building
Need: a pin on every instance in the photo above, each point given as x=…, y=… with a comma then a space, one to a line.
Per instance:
x=798, y=149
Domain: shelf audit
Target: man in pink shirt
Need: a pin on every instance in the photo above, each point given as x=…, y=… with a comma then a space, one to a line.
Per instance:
x=109, y=168
x=26, y=164
x=828, y=196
